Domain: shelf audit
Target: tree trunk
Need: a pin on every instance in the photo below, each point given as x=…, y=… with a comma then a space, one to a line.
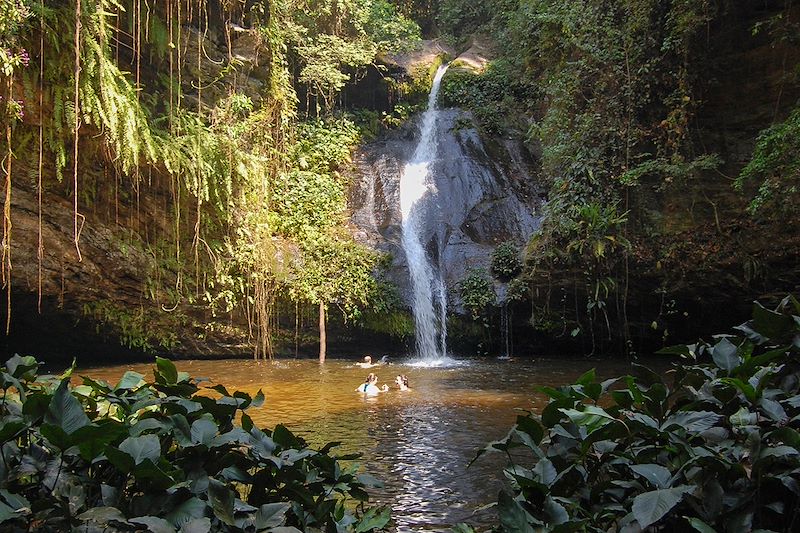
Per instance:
x=322, y=340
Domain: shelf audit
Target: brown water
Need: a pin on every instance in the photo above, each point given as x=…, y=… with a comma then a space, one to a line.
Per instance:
x=417, y=442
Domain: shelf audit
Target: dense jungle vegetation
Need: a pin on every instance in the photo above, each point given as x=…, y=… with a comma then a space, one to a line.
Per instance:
x=625, y=103
x=212, y=140
x=225, y=183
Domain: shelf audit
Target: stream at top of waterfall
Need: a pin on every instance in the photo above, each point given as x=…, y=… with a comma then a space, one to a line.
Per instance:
x=418, y=442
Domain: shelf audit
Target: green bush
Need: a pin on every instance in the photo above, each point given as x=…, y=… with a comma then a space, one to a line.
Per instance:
x=161, y=456
x=477, y=292
x=506, y=263
x=776, y=164
x=713, y=448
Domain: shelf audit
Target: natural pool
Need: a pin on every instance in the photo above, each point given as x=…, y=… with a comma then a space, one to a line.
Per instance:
x=417, y=442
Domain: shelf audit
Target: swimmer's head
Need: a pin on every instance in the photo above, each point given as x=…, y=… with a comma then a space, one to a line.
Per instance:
x=368, y=359
x=371, y=378
x=401, y=380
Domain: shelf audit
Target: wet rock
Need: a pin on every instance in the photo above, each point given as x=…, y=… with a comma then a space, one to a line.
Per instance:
x=479, y=202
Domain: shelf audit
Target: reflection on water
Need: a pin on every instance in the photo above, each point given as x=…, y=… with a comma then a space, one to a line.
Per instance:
x=417, y=442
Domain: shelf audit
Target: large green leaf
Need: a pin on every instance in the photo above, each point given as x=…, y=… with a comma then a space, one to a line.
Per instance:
x=92, y=440
x=141, y=448
x=691, y=421
x=374, y=519
x=102, y=515
x=191, y=509
x=221, y=499
x=700, y=526
x=650, y=507
x=513, y=517
x=725, y=355
x=592, y=417
x=544, y=472
x=271, y=515
x=203, y=431
x=771, y=324
x=657, y=475
x=22, y=367
x=7, y=513
x=65, y=411
x=130, y=380
x=165, y=371
x=153, y=524
x=197, y=525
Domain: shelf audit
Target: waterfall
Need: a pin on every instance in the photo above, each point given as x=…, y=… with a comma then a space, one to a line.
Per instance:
x=427, y=283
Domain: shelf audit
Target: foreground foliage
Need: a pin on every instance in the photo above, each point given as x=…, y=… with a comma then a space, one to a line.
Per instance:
x=713, y=448
x=162, y=457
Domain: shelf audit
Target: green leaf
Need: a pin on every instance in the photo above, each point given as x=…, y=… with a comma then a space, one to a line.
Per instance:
x=513, y=517
x=258, y=400
x=65, y=411
x=166, y=372
x=221, y=499
x=92, y=440
x=10, y=429
x=102, y=515
x=153, y=524
x=530, y=427
x=203, y=431
x=725, y=355
x=771, y=324
x=141, y=448
x=130, y=380
x=657, y=475
x=545, y=473
x=271, y=515
x=773, y=410
x=7, y=513
x=15, y=501
x=650, y=507
x=692, y=421
x=374, y=518
x=556, y=514
x=22, y=367
x=586, y=378
x=197, y=525
x=592, y=417
x=743, y=417
x=191, y=509
x=700, y=526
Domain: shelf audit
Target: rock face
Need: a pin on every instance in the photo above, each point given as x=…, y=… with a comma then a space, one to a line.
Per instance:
x=479, y=201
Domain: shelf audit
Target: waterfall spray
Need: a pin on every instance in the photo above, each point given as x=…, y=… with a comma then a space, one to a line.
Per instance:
x=427, y=283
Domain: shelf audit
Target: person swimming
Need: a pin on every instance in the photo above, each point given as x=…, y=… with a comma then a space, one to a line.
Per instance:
x=370, y=385
x=367, y=362
x=402, y=382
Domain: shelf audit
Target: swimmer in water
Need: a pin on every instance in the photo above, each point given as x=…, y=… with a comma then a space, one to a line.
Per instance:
x=367, y=362
x=402, y=382
x=370, y=385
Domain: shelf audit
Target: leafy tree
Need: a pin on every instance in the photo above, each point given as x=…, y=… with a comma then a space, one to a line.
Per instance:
x=332, y=269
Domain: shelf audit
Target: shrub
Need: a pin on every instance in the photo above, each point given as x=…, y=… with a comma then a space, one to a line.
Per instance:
x=506, y=263
x=715, y=448
x=477, y=292
x=160, y=457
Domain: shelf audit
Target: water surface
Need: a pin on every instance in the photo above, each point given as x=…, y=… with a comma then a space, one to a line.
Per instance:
x=417, y=442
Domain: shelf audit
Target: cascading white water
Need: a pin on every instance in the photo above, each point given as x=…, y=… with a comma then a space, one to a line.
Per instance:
x=426, y=282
